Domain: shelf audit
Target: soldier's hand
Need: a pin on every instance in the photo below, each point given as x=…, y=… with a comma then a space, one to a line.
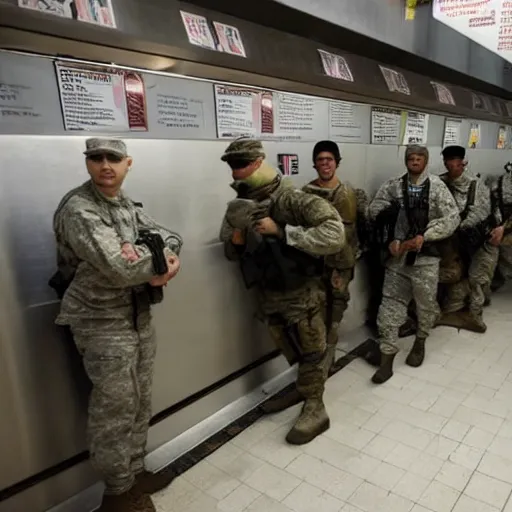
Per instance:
x=128, y=252
x=267, y=226
x=237, y=238
x=497, y=236
x=395, y=248
x=174, y=265
x=418, y=242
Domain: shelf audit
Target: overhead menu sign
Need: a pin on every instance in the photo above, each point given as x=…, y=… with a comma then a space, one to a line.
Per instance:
x=487, y=22
x=99, y=100
x=270, y=115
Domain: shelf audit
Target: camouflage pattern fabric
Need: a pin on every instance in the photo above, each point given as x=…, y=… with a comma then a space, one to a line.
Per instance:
x=120, y=367
x=505, y=249
x=312, y=225
x=401, y=285
x=337, y=282
x=443, y=214
x=90, y=230
x=473, y=289
x=481, y=269
x=419, y=282
x=109, y=316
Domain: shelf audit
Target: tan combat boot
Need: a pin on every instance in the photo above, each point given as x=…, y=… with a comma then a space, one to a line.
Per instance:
x=150, y=483
x=131, y=501
x=417, y=354
x=312, y=422
x=475, y=322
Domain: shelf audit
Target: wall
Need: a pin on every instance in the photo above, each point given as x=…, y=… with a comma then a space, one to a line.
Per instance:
x=384, y=20
x=205, y=327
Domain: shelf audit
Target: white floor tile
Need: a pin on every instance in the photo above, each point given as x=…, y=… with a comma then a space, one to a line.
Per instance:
x=371, y=498
x=307, y=498
x=350, y=435
x=496, y=466
x=467, y=456
x=386, y=476
x=439, y=497
x=442, y=447
x=380, y=447
x=211, y=480
x=478, y=438
x=489, y=490
x=238, y=500
x=467, y=504
x=266, y=504
x=273, y=482
x=454, y=475
x=411, y=486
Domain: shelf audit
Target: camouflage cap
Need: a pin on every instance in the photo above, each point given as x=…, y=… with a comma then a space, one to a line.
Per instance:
x=99, y=146
x=243, y=149
x=414, y=149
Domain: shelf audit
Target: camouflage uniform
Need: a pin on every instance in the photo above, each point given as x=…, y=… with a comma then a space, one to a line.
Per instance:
x=470, y=288
x=418, y=281
x=504, y=266
x=339, y=268
x=313, y=226
x=108, y=312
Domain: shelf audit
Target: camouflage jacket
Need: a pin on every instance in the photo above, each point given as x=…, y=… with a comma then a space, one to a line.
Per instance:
x=90, y=230
x=310, y=223
x=444, y=217
x=343, y=197
x=507, y=202
x=480, y=210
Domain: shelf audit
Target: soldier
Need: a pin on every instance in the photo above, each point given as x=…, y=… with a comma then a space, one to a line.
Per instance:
x=470, y=260
x=108, y=280
x=501, y=236
x=280, y=235
x=339, y=268
x=427, y=214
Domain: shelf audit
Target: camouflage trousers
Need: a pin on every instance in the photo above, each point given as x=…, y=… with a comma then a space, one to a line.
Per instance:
x=120, y=365
x=401, y=285
x=296, y=323
x=505, y=261
x=471, y=290
x=337, y=283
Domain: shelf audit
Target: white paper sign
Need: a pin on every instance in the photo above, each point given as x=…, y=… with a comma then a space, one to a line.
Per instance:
x=395, y=80
x=336, y=66
x=416, y=128
x=386, y=123
x=452, y=132
x=92, y=100
x=342, y=122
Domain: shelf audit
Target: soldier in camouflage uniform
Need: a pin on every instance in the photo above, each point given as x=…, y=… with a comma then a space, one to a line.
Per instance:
x=427, y=214
x=302, y=224
x=501, y=236
x=339, y=268
x=107, y=307
x=469, y=261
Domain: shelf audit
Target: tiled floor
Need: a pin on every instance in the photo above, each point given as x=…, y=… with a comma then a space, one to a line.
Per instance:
x=433, y=439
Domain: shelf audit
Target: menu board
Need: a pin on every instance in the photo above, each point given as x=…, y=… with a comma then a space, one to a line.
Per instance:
x=488, y=22
x=269, y=115
x=99, y=100
x=386, y=124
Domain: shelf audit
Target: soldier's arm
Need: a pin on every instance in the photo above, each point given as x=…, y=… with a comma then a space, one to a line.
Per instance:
x=448, y=216
x=323, y=232
x=226, y=237
x=93, y=241
x=383, y=199
x=493, y=185
x=172, y=240
x=480, y=210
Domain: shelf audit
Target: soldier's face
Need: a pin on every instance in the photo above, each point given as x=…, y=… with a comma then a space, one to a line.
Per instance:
x=108, y=170
x=325, y=166
x=455, y=167
x=416, y=164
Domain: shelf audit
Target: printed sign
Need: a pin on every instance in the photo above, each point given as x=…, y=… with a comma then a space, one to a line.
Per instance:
x=443, y=94
x=386, y=123
x=99, y=12
x=416, y=127
x=452, y=132
x=502, y=138
x=288, y=164
x=474, y=136
x=395, y=80
x=487, y=22
x=99, y=99
x=230, y=40
x=198, y=30
x=335, y=66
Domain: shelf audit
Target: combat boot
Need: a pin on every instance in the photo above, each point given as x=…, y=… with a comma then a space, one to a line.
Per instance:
x=312, y=422
x=373, y=354
x=131, y=501
x=150, y=483
x=385, y=372
x=417, y=353
x=474, y=322
x=281, y=403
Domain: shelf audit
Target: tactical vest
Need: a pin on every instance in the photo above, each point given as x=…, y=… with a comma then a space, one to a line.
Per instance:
x=505, y=208
x=417, y=207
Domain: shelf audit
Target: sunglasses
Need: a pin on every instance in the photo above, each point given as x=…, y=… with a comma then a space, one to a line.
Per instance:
x=111, y=157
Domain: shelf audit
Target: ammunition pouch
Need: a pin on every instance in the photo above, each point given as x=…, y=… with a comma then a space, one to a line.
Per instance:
x=60, y=283
x=154, y=242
